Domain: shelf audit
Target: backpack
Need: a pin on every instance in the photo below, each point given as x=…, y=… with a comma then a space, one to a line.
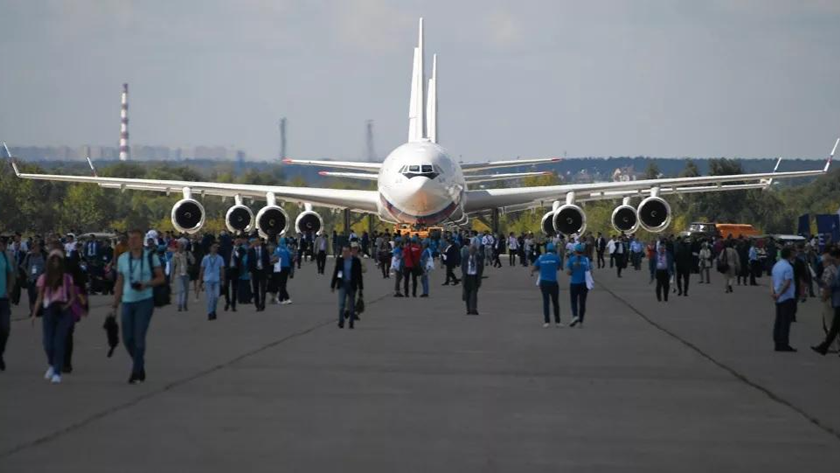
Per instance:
x=723, y=262
x=162, y=293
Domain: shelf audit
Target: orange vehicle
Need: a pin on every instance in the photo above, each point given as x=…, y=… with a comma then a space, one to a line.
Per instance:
x=737, y=230
x=422, y=232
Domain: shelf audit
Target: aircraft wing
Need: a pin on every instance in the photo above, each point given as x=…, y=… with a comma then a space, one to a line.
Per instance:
x=479, y=200
x=364, y=176
x=476, y=178
x=357, y=200
x=354, y=165
x=472, y=167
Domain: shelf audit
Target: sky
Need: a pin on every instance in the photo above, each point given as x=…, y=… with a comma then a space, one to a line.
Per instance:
x=531, y=78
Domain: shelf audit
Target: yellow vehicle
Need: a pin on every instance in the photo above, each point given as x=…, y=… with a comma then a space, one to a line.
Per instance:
x=422, y=232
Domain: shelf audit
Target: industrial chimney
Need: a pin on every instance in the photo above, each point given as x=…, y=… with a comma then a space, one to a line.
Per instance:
x=124, y=153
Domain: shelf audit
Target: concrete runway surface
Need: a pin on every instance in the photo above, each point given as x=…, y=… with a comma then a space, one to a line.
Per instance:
x=691, y=385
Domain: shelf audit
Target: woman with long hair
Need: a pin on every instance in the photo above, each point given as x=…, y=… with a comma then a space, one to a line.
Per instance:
x=56, y=294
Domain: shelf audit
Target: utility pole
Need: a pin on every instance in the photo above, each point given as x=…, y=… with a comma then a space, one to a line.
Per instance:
x=282, y=139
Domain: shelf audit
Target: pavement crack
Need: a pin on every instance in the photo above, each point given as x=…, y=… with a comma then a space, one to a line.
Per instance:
x=720, y=364
x=166, y=388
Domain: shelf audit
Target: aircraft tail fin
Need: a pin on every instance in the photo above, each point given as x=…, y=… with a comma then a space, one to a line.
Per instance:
x=416, y=122
x=431, y=105
x=831, y=156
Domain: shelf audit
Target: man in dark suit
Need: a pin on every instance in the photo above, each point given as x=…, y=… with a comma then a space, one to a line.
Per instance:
x=347, y=277
x=600, y=248
x=259, y=264
x=452, y=258
x=233, y=263
x=472, y=268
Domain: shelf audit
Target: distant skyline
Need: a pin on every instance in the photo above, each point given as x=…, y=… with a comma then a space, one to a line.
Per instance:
x=746, y=78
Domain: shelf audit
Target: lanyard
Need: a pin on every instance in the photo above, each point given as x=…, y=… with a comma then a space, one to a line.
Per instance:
x=131, y=267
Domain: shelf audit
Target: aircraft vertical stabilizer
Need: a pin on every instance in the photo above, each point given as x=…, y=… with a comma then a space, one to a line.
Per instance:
x=431, y=105
x=416, y=122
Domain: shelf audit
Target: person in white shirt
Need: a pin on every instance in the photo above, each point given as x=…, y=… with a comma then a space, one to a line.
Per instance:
x=513, y=248
x=611, y=250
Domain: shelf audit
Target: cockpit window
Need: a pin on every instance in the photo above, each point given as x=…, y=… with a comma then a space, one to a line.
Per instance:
x=420, y=170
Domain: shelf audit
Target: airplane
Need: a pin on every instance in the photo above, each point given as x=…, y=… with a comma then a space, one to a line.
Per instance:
x=419, y=183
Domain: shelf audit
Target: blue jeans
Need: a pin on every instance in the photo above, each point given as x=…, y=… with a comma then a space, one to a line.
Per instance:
x=346, y=300
x=578, y=292
x=56, y=325
x=211, y=290
x=136, y=317
x=550, y=290
x=183, y=290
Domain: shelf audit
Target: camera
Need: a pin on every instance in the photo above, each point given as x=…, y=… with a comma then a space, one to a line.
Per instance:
x=137, y=286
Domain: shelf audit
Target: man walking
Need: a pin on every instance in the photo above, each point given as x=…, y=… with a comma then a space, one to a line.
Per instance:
x=451, y=256
x=472, y=267
x=321, y=245
x=347, y=278
x=513, y=249
x=830, y=285
x=784, y=295
x=259, y=263
x=138, y=272
x=212, y=278
x=577, y=266
x=664, y=270
x=620, y=255
x=600, y=248
x=682, y=262
x=233, y=265
x=548, y=265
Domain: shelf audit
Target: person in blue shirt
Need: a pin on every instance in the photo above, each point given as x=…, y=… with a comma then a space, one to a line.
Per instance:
x=138, y=272
x=548, y=264
x=212, y=278
x=783, y=292
x=576, y=267
x=283, y=257
x=7, y=281
x=427, y=264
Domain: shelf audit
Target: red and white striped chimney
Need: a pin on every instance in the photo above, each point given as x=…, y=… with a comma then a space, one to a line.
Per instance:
x=124, y=153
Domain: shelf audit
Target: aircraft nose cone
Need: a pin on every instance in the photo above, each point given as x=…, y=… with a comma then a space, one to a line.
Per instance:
x=428, y=194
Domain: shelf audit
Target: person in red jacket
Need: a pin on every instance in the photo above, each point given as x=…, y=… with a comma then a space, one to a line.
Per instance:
x=411, y=264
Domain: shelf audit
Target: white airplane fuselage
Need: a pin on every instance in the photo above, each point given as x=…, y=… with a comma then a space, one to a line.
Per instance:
x=420, y=184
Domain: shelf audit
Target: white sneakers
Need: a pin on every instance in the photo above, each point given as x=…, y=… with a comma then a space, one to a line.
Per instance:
x=559, y=324
x=287, y=302
x=52, y=376
x=575, y=321
x=546, y=325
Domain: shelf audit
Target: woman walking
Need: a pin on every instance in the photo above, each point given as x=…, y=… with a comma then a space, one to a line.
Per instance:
x=56, y=294
x=705, y=263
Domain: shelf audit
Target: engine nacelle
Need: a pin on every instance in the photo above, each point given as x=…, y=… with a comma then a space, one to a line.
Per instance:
x=239, y=219
x=569, y=219
x=272, y=221
x=654, y=214
x=624, y=219
x=188, y=216
x=309, y=221
x=547, y=224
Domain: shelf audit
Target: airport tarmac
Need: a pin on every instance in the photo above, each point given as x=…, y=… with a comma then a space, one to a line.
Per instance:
x=691, y=385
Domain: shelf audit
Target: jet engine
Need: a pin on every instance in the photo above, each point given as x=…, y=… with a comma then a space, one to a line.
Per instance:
x=547, y=224
x=188, y=216
x=569, y=219
x=309, y=221
x=624, y=219
x=239, y=219
x=272, y=221
x=654, y=214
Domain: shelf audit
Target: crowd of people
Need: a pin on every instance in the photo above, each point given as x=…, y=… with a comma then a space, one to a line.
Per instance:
x=145, y=270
